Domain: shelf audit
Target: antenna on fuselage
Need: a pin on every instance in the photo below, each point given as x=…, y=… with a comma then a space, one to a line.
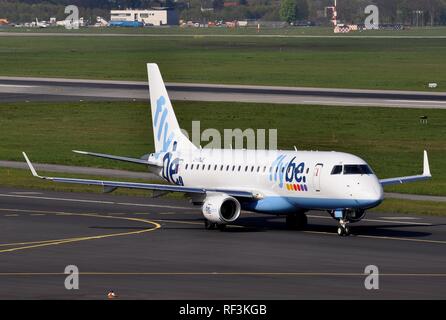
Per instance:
x=295, y=149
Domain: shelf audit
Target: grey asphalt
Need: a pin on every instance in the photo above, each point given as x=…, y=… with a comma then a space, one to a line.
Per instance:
x=125, y=174
x=17, y=89
x=42, y=232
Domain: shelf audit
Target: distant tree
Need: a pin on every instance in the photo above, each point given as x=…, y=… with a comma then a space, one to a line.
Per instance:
x=292, y=10
x=302, y=9
x=288, y=10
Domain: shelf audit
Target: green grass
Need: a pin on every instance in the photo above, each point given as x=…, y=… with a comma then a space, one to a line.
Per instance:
x=318, y=62
x=299, y=31
x=391, y=140
x=412, y=207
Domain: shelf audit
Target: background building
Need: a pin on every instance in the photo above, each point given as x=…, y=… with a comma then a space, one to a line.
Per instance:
x=156, y=17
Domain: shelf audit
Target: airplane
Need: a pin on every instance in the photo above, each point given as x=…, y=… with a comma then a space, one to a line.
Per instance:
x=226, y=181
x=41, y=24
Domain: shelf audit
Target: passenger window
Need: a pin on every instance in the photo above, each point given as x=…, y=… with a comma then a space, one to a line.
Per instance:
x=191, y=166
x=221, y=168
x=186, y=166
x=336, y=170
x=246, y=168
x=209, y=167
x=233, y=168
x=227, y=168
x=203, y=167
x=215, y=168
x=239, y=168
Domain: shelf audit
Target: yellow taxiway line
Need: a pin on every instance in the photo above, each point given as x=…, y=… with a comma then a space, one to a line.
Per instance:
x=43, y=243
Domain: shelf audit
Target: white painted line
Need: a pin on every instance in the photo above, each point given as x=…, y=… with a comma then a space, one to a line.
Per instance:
x=150, y=205
x=26, y=193
x=400, y=218
x=15, y=86
x=56, y=199
x=417, y=101
x=377, y=220
x=94, y=201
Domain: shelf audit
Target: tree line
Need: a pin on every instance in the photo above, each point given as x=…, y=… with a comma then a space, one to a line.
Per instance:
x=420, y=12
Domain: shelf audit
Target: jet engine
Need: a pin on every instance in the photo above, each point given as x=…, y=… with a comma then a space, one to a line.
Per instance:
x=221, y=208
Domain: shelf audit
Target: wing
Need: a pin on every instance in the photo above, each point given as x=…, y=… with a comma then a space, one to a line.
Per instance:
x=146, y=186
x=426, y=175
x=108, y=156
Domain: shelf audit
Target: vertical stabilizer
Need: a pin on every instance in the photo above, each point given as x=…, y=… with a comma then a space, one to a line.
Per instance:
x=166, y=131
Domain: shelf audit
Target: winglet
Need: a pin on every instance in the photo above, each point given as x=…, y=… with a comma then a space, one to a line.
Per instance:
x=30, y=165
x=426, y=169
x=80, y=152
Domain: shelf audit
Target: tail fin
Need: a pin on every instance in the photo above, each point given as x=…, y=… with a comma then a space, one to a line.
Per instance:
x=166, y=131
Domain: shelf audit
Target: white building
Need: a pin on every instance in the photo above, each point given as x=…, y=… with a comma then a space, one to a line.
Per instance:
x=159, y=17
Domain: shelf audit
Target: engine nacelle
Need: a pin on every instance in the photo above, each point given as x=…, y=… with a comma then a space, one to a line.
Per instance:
x=221, y=208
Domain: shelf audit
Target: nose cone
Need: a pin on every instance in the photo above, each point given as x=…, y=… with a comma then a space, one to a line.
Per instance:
x=373, y=195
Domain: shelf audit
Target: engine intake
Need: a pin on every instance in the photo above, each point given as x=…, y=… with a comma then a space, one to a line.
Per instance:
x=221, y=208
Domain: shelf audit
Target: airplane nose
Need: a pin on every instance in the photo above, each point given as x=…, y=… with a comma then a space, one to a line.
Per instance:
x=374, y=195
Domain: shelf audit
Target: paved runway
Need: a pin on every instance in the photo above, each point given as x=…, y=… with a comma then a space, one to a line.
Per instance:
x=51, y=89
x=158, y=249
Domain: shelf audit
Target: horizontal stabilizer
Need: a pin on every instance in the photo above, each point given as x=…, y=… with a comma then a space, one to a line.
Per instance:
x=112, y=157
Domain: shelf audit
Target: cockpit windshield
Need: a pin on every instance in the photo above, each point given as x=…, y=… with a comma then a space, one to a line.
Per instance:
x=357, y=169
x=352, y=169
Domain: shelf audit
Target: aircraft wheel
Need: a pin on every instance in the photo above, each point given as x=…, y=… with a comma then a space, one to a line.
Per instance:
x=343, y=231
x=340, y=231
x=221, y=227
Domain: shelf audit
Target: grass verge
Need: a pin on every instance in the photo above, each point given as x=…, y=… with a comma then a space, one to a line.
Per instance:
x=408, y=64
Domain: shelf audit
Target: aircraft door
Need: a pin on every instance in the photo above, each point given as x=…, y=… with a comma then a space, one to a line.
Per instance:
x=317, y=177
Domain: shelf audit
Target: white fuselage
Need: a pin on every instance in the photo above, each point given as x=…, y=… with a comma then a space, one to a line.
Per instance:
x=285, y=181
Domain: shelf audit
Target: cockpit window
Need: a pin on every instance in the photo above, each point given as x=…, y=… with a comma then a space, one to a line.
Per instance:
x=357, y=169
x=336, y=170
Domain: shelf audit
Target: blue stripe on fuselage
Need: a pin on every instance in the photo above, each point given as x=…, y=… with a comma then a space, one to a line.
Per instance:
x=276, y=204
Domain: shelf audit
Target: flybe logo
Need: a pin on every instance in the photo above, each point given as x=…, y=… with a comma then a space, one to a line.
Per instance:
x=161, y=125
x=170, y=169
x=289, y=174
x=165, y=139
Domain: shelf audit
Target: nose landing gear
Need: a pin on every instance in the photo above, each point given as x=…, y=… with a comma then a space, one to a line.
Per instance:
x=343, y=229
x=346, y=216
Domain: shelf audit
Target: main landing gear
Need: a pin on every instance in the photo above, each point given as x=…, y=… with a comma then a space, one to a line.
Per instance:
x=297, y=221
